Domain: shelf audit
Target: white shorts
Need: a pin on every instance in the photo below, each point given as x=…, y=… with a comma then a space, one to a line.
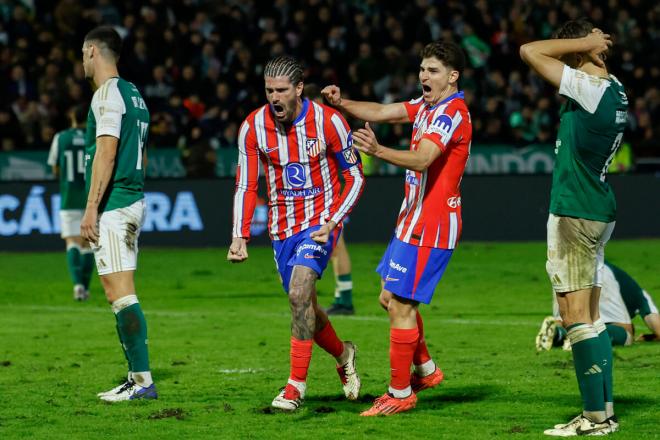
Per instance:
x=576, y=252
x=119, y=229
x=70, y=222
x=610, y=305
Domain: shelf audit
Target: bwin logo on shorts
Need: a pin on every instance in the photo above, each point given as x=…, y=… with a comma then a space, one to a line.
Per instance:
x=397, y=266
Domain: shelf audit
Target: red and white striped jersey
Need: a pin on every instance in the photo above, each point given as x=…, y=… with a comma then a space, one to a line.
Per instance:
x=430, y=214
x=302, y=162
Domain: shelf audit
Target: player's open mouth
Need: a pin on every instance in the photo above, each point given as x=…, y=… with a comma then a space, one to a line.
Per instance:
x=278, y=109
x=426, y=89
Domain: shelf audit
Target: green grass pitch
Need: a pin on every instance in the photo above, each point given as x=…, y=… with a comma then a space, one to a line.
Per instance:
x=218, y=338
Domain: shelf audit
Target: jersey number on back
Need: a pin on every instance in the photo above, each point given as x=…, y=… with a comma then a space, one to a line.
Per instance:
x=74, y=165
x=608, y=162
x=142, y=137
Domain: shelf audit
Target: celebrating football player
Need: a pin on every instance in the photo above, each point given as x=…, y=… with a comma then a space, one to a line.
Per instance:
x=429, y=222
x=303, y=147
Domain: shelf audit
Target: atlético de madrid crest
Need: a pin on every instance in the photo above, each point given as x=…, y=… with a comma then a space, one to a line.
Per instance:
x=313, y=147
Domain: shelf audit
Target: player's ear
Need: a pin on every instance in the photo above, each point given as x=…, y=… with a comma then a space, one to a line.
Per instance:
x=453, y=76
x=299, y=89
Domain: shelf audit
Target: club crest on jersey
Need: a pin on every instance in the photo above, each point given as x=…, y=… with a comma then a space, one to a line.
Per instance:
x=411, y=178
x=313, y=147
x=349, y=156
x=295, y=174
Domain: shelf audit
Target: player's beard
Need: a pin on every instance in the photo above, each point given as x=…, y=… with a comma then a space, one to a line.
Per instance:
x=283, y=112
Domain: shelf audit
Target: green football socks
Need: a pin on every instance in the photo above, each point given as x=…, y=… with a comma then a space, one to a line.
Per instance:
x=344, y=290
x=588, y=361
x=123, y=347
x=74, y=263
x=560, y=335
x=618, y=335
x=607, y=364
x=133, y=334
x=87, y=263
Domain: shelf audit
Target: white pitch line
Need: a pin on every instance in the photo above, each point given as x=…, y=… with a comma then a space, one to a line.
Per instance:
x=242, y=371
x=383, y=318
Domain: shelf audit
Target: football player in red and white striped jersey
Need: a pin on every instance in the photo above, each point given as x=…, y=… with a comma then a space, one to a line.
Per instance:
x=429, y=222
x=303, y=146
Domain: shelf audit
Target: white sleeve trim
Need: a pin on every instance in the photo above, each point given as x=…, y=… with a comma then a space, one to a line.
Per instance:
x=649, y=300
x=587, y=90
x=108, y=108
x=54, y=150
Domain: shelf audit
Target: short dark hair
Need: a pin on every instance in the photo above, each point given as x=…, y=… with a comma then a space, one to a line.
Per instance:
x=448, y=52
x=575, y=29
x=108, y=36
x=79, y=113
x=285, y=65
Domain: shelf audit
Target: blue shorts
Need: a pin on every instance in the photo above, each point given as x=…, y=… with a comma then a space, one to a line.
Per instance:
x=411, y=271
x=301, y=250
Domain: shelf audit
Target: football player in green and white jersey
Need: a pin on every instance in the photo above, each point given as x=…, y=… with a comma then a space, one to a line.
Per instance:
x=117, y=127
x=582, y=205
x=67, y=157
x=621, y=299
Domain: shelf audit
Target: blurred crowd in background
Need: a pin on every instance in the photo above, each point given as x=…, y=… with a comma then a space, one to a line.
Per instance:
x=199, y=63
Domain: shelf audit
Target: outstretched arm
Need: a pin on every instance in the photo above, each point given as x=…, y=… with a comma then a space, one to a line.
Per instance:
x=544, y=55
x=367, y=111
x=415, y=160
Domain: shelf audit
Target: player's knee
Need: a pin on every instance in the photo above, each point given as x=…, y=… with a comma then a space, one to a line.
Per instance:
x=299, y=297
x=401, y=309
x=576, y=315
x=384, y=300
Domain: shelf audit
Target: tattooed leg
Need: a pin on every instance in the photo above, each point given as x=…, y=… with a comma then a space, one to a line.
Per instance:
x=301, y=299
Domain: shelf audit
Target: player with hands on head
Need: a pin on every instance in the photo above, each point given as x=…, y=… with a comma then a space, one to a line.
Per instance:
x=582, y=206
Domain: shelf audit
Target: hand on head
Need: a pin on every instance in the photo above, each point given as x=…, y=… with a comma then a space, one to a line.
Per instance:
x=599, y=43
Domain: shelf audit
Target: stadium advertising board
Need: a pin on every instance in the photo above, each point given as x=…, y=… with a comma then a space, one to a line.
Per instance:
x=199, y=212
x=178, y=214
x=166, y=163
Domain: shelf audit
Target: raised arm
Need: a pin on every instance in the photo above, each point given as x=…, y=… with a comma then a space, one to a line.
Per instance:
x=367, y=111
x=544, y=55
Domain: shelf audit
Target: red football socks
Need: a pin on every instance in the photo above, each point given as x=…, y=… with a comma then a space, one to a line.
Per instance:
x=403, y=342
x=422, y=352
x=301, y=355
x=327, y=339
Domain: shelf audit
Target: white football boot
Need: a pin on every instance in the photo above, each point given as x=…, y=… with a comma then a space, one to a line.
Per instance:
x=348, y=375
